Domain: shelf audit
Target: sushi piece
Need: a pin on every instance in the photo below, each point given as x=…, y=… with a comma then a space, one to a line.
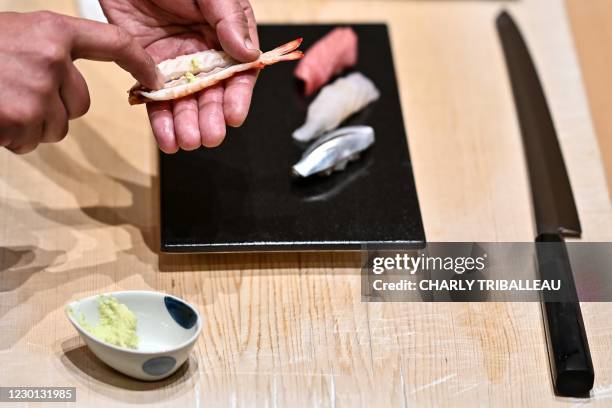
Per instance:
x=335, y=103
x=203, y=61
x=333, y=151
x=329, y=56
x=188, y=74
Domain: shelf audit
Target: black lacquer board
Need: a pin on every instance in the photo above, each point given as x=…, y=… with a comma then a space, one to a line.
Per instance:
x=241, y=196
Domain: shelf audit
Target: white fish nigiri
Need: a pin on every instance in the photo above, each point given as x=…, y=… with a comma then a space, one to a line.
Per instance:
x=335, y=103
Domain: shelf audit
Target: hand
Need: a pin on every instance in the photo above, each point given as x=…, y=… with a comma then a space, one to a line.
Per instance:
x=168, y=28
x=40, y=88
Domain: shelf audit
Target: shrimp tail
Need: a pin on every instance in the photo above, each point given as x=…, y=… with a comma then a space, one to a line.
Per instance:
x=285, y=48
x=286, y=52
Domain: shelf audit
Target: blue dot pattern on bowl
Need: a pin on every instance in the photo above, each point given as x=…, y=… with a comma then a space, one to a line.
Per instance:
x=184, y=315
x=159, y=365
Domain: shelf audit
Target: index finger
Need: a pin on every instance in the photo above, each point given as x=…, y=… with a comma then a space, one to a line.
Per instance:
x=108, y=42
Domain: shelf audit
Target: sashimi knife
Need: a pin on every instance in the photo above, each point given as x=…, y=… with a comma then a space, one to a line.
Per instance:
x=556, y=217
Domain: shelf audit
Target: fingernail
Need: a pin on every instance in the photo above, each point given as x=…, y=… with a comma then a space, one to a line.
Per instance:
x=249, y=44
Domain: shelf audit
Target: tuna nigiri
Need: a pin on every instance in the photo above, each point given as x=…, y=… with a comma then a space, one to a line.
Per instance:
x=329, y=56
x=335, y=103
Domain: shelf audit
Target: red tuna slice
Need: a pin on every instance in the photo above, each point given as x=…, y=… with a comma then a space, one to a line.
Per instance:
x=329, y=56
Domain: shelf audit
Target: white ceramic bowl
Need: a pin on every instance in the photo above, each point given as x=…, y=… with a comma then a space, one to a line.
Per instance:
x=167, y=328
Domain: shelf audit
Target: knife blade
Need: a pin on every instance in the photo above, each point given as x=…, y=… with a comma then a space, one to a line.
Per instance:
x=556, y=216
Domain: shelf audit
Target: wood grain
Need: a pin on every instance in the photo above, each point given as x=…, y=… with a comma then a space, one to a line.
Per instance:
x=289, y=329
x=590, y=22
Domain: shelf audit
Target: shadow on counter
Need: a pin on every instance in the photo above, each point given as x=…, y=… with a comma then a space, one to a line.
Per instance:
x=82, y=363
x=266, y=263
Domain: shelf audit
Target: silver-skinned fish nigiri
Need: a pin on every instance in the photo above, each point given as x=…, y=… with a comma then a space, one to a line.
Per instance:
x=334, y=150
x=335, y=103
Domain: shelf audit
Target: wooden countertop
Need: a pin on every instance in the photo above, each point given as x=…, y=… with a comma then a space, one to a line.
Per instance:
x=592, y=36
x=81, y=217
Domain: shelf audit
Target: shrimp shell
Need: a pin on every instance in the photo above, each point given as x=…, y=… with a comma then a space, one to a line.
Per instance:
x=177, y=89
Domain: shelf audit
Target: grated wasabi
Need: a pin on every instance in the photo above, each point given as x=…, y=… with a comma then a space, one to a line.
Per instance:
x=190, y=77
x=195, y=64
x=117, y=323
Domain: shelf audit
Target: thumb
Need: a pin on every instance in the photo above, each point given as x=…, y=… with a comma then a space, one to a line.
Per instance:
x=107, y=42
x=232, y=21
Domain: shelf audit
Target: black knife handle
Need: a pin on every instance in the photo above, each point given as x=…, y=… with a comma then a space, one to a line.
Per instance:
x=568, y=348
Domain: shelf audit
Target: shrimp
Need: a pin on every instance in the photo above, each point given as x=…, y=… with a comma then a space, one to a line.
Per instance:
x=188, y=74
